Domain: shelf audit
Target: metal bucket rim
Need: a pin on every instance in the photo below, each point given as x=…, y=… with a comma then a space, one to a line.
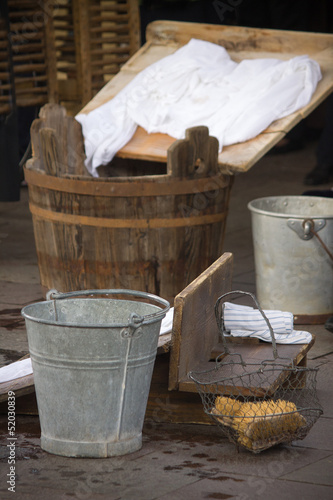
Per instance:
x=147, y=319
x=270, y=213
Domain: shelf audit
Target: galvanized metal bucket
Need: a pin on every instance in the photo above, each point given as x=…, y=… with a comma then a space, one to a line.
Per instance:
x=92, y=360
x=293, y=246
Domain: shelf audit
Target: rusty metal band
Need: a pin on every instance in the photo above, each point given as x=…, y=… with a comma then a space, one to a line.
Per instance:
x=311, y=319
x=138, y=187
x=86, y=220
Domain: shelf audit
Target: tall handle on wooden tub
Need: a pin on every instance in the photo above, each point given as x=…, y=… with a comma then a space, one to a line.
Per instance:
x=195, y=156
x=57, y=143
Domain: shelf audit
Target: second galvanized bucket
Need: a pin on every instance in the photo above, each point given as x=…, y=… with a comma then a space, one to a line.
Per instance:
x=92, y=360
x=293, y=246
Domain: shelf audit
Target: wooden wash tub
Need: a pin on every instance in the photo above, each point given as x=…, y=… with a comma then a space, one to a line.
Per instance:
x=154, y=233
x=158, y=231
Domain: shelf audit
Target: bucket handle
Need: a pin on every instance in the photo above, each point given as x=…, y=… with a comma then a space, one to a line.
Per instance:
x=308, y=228
x=135, y=319
x=220, y=322
x=311, y=227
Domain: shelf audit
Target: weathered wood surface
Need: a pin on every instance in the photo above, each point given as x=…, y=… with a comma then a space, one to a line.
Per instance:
x=196, y=341
x=31, y=33
x=165, y=37
x=238, y=39
x=25, y=404
x=195, y=331
x=94, y=39
x=154, y=233
x=172, y=406
x=21, y=386
x=57, y=143
x=260, y=384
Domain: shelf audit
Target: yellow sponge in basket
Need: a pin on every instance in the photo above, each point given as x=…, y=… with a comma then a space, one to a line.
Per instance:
x=259, y=423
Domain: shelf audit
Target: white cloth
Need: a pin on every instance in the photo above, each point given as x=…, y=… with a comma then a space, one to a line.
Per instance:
x=15, y=370
x=199, y=85
x=167, y=322
x=245, y=321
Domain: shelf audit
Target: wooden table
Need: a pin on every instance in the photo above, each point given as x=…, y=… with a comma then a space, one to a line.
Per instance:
x=165, y=37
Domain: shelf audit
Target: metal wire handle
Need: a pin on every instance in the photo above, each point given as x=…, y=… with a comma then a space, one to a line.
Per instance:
x=220, y=322
x=135, y=318
x=310, y=225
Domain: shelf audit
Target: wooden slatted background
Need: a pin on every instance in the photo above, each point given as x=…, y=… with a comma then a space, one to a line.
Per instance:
x=93, y=39
x=32, y=46
x=6, y=87
x=65, y=50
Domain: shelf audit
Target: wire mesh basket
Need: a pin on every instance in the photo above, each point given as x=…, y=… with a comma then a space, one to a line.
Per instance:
x=258, y=405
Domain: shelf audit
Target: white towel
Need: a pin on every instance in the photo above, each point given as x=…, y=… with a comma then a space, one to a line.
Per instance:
x=15, y=370
x=245, y=321
x=167, y=322
x=199, y=85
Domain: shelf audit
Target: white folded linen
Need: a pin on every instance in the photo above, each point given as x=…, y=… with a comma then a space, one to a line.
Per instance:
x=15, y=370
x=199, y=85
x=245, y=321
x=167, y=322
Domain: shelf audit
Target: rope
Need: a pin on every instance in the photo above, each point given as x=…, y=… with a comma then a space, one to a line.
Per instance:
x=321, y=242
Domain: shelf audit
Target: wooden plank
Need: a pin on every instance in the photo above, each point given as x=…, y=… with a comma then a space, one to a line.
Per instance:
x=82, y=48
x=165, y=37
x=104, y=30
x=164, y=342
x=97, y=186
x=172, y=406
x=241, y=157
x=233, y=159
x=36, y=146
x=195, y=156
x=50, y=57
x=143, y=146
x=149, y=54
x=75, y=149
x=194, y=328
x=57, y=143
x=236, y=38
x=50, y=151
x=21, y=386
x=134, y=25
x=25, y=404
x=254, y=356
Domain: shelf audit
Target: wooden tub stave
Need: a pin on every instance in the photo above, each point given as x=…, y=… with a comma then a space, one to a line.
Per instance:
x=154, y=233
